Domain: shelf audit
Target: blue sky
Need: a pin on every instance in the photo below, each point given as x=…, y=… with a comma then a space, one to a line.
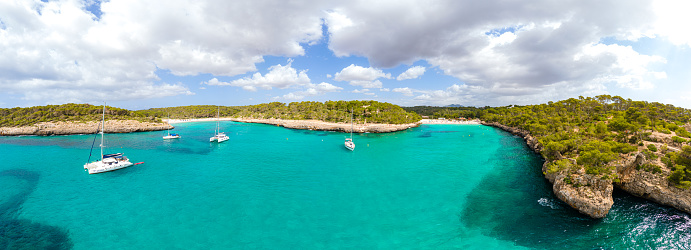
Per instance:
x=144, y=54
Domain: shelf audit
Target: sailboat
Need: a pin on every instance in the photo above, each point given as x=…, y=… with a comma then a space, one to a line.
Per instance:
x=170, y=136
x=349, y=144
x=108, y=162
x=219, y=136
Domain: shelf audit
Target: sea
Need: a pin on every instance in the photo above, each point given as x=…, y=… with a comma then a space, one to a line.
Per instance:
x=268, y=187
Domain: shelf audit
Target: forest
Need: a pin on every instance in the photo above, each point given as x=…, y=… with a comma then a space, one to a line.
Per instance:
x=330, y=111
x=15, y=117
x=596, y=132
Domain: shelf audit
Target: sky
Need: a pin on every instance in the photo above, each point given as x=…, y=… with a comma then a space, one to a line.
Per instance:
x=160, y=53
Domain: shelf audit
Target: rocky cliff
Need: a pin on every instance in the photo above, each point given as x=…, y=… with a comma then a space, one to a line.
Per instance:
x=651, y=186
x=91, y=127
x=593, y=196
x=587, y=194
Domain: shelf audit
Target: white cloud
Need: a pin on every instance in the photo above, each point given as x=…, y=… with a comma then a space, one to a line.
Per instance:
x=279, y=76
x=360, y=91
x=311, y=90
x=673, y=20
x=359, y=73
x=361, y=76
x=384, y=90
x=405, y=91
x=59, y=47
x=367, y=84
x=411, y=73
x=515, y=50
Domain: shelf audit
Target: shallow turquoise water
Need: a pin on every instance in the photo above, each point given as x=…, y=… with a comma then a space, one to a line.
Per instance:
x=432, y=187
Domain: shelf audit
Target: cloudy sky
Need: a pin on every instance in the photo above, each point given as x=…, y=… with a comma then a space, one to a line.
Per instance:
x=156, y=53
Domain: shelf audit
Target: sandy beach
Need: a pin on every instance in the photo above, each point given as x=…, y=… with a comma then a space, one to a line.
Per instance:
x=447, y=121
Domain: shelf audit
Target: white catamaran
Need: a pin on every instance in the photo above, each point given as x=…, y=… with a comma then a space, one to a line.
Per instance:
x=219, y=136
x=108, y=162
x=349, y=144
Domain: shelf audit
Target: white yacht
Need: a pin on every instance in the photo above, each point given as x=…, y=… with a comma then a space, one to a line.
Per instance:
x=108, y=162
x=170, y=136
x=349, y=144
x=219, y=136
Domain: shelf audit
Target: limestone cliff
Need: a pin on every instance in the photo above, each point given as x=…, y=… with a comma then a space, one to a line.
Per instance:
x=652, y=186
x=91, y=127
x=585, y=193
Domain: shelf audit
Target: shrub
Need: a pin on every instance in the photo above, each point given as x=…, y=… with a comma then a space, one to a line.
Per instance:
x=652, y=147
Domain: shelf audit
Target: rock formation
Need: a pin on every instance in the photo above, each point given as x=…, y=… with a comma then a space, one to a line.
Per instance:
x=91, y=127
x=652, y=186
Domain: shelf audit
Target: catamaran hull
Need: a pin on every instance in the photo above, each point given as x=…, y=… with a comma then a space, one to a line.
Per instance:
x=96, y=168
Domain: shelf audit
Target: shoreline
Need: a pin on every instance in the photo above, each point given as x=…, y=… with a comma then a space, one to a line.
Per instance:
x=80, y=128
x=330, y=126
x=592, y=196
x=448, y=121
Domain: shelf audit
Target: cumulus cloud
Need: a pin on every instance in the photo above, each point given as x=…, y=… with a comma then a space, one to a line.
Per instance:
x=57, y=51
x=359, y=73
x=411, y=73
x=279, y=76
x=509, y=50
x=361, y=76
x=311, y=90
x=405, y=91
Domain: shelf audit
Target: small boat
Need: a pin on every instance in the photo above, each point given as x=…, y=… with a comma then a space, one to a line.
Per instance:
x=108, y=162
x=219, y=136
x=349, y=144
x=171, y=136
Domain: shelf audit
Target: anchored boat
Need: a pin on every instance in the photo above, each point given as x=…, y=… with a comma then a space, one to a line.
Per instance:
x=108, y=162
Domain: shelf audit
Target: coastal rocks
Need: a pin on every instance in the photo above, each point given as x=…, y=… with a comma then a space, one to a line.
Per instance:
x=328, y=126
x=91, y=127
x=652, y=186
x=532, y=142
x=586, y=193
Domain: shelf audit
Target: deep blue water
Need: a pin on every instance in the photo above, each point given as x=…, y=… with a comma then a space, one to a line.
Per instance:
x=432, y=187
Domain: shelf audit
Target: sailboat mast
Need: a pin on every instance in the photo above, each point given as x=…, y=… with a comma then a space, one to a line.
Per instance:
x=103, y=126
x=351, y=124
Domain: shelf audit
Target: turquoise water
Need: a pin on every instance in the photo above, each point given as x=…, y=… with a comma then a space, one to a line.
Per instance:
x=432, y=187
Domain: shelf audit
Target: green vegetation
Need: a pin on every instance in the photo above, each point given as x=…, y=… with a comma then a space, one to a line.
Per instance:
x=16, y=117
x=595, y=132
x=444, y=112
x=330, y=111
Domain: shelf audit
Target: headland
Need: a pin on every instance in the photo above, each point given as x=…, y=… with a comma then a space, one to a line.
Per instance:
x=90, y=127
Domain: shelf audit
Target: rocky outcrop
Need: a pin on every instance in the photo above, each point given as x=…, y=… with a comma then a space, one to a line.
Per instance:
x=91, y=127
x=587, y=194
x=652, y=186
x=328, y=126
